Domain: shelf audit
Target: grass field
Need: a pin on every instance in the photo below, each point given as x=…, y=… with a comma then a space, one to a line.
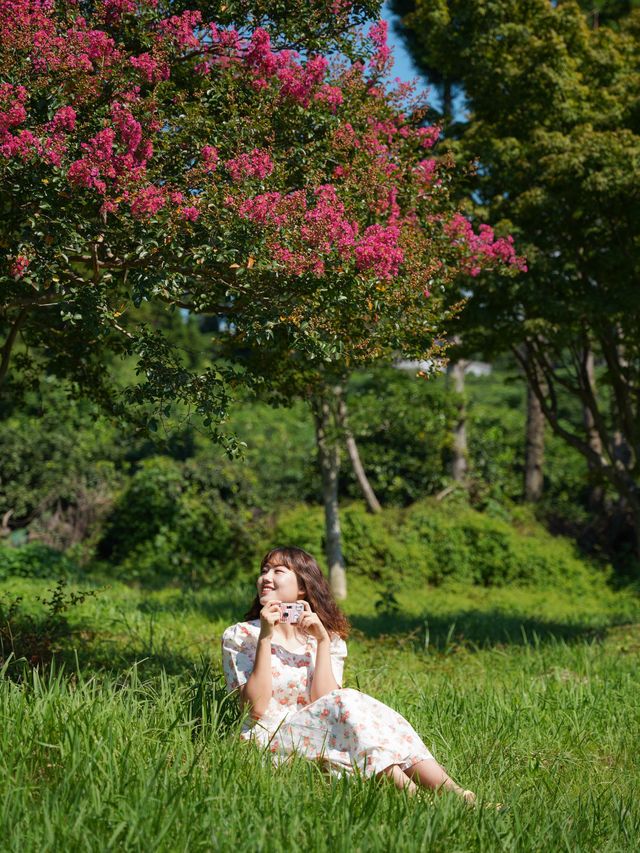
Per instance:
x=528, y=696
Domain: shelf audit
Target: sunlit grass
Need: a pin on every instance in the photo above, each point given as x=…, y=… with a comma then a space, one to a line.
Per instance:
x=528, y=696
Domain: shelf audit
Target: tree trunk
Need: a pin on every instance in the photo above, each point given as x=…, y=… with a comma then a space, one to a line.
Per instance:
x=596, y=491
x=352, y=449
x=447, y=102
x=329, y=458
x=459, y=464
x=534, y=451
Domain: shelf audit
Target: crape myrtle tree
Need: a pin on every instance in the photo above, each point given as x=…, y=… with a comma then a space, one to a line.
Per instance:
x=552, y=96
x=211, y=158
x=375, y=163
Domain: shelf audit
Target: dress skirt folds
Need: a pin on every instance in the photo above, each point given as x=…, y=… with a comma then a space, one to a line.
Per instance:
x=345, y=729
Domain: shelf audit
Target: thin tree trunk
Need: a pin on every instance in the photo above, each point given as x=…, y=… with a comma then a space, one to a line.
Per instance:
x=534, y=451
x=459, y=464
x=447, y=102
x=596, y=491
x=329, y=457
x=6, y=349
x=352, y=449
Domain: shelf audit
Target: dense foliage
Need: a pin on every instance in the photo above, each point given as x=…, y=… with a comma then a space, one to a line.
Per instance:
x=551, y=115
x=193, y=158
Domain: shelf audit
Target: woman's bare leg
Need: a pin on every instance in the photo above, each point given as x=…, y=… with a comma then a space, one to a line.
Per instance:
x=399, y=778
x=430, y=774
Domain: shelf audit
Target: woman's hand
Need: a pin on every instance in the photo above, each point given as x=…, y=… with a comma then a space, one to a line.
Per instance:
x=310, y=622
x=269, y=616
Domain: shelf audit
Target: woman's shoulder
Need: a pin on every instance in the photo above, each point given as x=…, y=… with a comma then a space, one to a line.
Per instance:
x=338, y=645
x=242, y=630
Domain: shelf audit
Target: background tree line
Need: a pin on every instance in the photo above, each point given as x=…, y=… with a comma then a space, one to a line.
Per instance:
x=547, y=104
x=164, y=350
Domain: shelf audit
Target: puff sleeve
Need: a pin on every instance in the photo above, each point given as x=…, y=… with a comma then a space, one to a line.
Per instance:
x=338, y=651
x=238, y=655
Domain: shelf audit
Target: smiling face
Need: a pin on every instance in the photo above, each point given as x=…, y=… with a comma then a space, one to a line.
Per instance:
x=277, y=582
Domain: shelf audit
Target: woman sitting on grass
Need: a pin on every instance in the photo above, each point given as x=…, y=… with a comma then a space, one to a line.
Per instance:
x=290, y=677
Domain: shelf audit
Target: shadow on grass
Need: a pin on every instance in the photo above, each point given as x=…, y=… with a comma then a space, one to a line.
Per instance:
x=471, y=629
x=228, y=607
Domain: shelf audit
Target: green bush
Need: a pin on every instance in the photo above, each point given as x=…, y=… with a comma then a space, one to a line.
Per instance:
x=466, y=545
x=171, y=524
x=431, y=542
x=35, y=560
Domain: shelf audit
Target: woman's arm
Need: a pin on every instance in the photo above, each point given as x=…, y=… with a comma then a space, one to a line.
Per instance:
x=323, y=679
x=257, y=691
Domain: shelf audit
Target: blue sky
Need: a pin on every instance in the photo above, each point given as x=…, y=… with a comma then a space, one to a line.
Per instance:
x=405, y=69
x=403, y=66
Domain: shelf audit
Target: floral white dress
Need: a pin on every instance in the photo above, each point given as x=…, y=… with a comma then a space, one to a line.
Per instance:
x=345, y=729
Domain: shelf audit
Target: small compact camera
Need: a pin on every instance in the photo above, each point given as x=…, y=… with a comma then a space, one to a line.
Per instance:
x=291, y=613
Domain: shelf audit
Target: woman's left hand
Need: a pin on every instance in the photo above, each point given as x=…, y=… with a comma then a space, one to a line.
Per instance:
x=310, y=622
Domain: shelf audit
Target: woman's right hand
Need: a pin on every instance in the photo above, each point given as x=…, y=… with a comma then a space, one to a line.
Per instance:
x=269, y=616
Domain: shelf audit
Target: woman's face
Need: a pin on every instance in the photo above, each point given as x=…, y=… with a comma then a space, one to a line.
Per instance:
x=278, y=583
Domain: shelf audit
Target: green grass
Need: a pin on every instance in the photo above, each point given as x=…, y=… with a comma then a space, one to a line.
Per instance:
x=529, y=696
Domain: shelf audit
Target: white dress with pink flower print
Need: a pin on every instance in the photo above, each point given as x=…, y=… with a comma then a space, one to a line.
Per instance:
x=345, y=729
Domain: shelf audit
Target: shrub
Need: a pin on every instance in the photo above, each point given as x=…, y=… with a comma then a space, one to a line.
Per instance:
x=466, y=545
x=170, y=524
x=35, y=560
x=431, y=542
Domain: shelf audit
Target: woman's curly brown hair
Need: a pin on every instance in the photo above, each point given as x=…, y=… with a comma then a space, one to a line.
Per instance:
x=316, y=589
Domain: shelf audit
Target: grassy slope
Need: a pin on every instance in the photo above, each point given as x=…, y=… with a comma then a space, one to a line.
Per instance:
x=538, y=711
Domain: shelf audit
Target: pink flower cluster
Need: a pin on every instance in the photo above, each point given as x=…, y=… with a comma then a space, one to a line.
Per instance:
x=77, y=50
x=330, y=95
x=297, y=81
x=102, y=162
x=273, y=208
x=321, y=230
x=254, y=164
x=115, y=9
x=382, y=59
x=425, y=170
x=378, y=251
x=12, y=113
x=25, y=143
x=92, y=170
x=428, y=136
x=150, y=68
x=482, y=248
x=182, y=29
x=19, y=266
x=209, y=158
x=148, y=202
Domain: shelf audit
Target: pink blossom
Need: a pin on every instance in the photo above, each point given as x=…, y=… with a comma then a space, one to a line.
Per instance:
x=209, y=157
x=255, y=164
x=108, y=206
x=382, y=58
x=181, y=29
x=190, y=213
x=115, y=9
x=378, y=250
x=152, y=70
x=129, y=129
x=428, y=136
x=482, y=247
x=148, y=202
x=330, y=95
x=19, y=266
x=64, y=120
x=425, y=170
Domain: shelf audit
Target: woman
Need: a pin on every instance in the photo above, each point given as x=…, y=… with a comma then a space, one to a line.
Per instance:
x=290, y=676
